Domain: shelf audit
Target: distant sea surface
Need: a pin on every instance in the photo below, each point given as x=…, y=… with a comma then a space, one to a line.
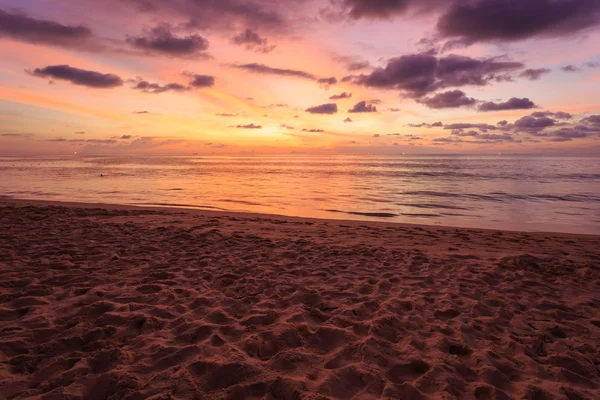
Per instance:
x=524, y=193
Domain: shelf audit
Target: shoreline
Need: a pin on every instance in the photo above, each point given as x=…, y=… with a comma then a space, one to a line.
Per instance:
x=112, y=301
x=243, y=214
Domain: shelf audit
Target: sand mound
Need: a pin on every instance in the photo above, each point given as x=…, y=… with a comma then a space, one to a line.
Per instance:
x=136, y=304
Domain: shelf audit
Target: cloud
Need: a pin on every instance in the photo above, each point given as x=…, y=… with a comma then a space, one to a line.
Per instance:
x=557, y=115
x=481, y=127
x=201, y=81
x=161, y=40
x=348, y=120
x=226, y=115
x=126, y=137
x=592, y=119
x=266, y=70
x=376, y=135
x=570, y=68
x=535, y=73
x=512, y=104
x=449, y=99
x=327, y=81
x=249, y=126
x=343, y=95
x=17, y=135
x=530, y=123
x=288, y=127
x=80, y=133
x=393, y=109
x=363, y=107
x=511, y=20
x=330, y=108
x=78, y=76
x=141, y=112
x=155, y=88
x=423, y=73
x=224, y=14
x=358, y=65
x=313, y=130
x=253, y=41
x=426, y=125
x=38, y=31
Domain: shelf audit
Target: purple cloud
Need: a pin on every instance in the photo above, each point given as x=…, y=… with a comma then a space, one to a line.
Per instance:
x=363, y=107
x=264, y=69
x=148, y=87
x=201, y=81
x=162, y=41
x=512, y=104
x=511, y=20
x=79, y=76
x=422, y=73
x=24, y=28
x=343, y=95
x=249, y=126
x=534, y=74
x=330, y=108
x=449, y=99
x=253, y=41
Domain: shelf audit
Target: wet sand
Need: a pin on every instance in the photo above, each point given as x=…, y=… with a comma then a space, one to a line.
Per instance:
x=117, y=302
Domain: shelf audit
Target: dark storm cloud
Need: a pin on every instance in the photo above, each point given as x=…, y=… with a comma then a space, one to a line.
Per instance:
x=78, y=76
x=201, y=81
x=330, y=108
x=343, y=95
x=162, y=41
x=449, y=99
x=249, y=126
x=510, y=20
x=149, y=87
x=253, y=41
x=423, y=73
x=512, y=104
x=533, y=74
x=266, y=70
x=363, y=107
x=24, y=28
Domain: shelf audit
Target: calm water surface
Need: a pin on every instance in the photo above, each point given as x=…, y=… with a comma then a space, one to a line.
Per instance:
x=555, y=194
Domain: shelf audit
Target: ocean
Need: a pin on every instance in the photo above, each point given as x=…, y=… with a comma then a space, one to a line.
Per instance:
x=523, y=193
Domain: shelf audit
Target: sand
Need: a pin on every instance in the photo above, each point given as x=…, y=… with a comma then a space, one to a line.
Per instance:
x=114, y=302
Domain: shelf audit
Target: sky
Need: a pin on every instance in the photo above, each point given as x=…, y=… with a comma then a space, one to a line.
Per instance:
x=300, y=76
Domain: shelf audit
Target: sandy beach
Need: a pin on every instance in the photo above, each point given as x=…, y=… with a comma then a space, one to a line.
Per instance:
x=117, y=302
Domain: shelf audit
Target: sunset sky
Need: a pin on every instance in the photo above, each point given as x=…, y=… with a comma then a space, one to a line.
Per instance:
x=299, y=76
